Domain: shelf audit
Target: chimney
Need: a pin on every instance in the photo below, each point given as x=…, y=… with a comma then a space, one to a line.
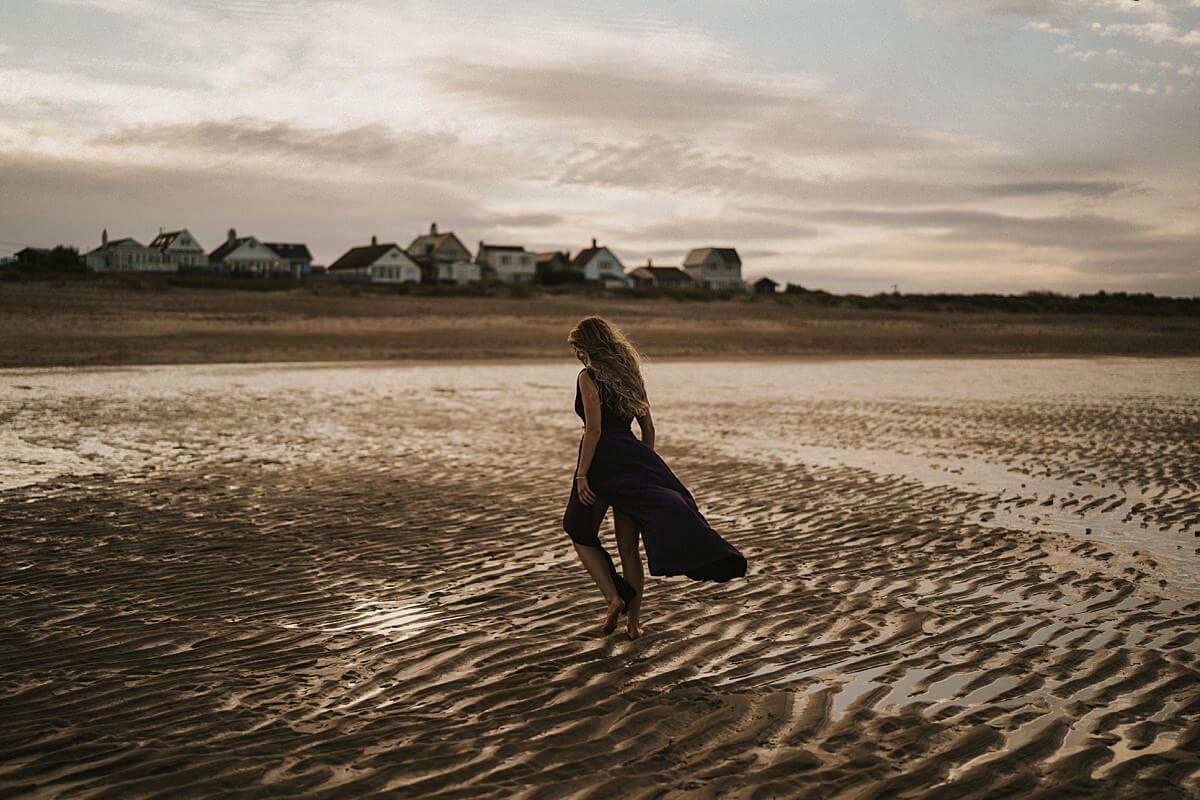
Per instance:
x=160, y=230
x=481, y=245
x=433, y=229
x=593, y=242
x=374, y=241
x=232, y=234
x=104, y=238
x=649, y=262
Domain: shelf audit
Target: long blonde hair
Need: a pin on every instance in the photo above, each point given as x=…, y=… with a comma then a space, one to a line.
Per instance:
x=616, y=362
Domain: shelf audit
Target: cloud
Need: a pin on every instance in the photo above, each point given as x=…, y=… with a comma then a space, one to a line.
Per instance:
x=1031, y=188
x=1055, y=15
x=531, y=219
x=723, y=229
x=247, y=137
x=1082, y=231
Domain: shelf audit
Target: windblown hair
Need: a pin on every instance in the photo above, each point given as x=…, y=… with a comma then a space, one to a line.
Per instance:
x=616, y=363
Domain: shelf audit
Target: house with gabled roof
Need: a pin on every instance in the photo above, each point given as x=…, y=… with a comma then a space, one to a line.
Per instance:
x=443, y=258
x=377, y=263
x=294, y=258
x=598, y=263
x=715, y=268
x=506, y=262
x=125, y=255
x=660, y=277
x=244, y=255
x=765, y=285
x=181, y=249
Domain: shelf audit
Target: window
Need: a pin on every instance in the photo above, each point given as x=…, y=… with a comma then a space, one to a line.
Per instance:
x=506, y=260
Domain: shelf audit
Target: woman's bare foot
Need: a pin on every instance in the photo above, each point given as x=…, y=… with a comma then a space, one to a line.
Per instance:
x=632, y=629
x=614, y=612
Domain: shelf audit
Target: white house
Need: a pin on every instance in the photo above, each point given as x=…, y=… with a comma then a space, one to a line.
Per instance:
x=379, y=263
x=125, y=255
x=507, y=262
x=715, y=268
x=181, y=249
x=244, y=255
x=599, y=264
x=443, y=258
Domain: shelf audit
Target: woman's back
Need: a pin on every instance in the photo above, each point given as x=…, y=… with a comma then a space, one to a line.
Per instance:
x=610, y=418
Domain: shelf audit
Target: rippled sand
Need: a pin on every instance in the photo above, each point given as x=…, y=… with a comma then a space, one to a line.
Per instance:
x=967, y=579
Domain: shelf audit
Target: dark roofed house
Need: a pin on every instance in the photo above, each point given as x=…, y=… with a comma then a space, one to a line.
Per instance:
x=765, y=285
x=661, y=277
x=555, y=267
x=715, y=267
x=293, y=258
x=48, y=259
x=377, y=263
x=598, y=263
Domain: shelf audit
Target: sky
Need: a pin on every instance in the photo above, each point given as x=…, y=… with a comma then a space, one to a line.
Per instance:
x=847, y=145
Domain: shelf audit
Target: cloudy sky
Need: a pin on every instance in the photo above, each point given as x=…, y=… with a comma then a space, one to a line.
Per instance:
x=990, y=145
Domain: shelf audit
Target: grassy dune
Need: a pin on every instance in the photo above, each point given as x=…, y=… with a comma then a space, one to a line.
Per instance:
x=92, y=323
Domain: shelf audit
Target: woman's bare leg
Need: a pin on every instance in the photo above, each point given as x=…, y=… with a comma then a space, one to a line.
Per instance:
x=597, y=566
x=631, y=566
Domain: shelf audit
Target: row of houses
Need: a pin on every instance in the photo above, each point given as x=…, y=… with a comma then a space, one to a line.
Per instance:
x=433, y=257
x=178, y=251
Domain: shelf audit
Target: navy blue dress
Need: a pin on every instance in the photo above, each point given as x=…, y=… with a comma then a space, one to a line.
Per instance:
x=632, y=478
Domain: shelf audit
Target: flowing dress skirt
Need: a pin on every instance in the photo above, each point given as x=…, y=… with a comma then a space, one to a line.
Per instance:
x=630, y=477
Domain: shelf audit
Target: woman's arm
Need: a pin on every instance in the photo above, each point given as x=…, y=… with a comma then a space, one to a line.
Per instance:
x=647, y=426
x=591, y=435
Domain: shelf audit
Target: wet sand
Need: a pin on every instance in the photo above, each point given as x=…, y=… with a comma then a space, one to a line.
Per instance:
x=91, y=324
x=968, y=579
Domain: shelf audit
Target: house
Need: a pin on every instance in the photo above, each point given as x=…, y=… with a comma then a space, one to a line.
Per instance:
x=377, y=263
x=442, y=258
x=294, y=259
x=244, y=255
x=47, y=259
x=181, y=249
x=715, y=268
x=125, y=255
x=660, y=277
x=555, y=267
x=597, y=263
x=765, y=285
x=506, y=262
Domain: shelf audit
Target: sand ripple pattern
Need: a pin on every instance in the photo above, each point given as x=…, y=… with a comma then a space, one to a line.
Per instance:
x=404, y=617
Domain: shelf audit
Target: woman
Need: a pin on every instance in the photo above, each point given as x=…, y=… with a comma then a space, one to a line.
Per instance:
x=616, y=469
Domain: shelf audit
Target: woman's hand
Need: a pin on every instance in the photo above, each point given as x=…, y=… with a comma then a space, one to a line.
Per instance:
x=586, y=495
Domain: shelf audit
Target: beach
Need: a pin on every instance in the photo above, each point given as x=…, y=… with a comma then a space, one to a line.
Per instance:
x=968, y=578
x=92, y=323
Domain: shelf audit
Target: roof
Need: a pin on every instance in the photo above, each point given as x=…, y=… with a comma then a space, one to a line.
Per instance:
x=765, y=279
x=658, y=273
x=226, y=247
x=553, y=255
x=509, y=248
x=433, y=241
x=700, y=254
x=290, y=251
x=165, y=239
x=363, y=256
x=116, y=242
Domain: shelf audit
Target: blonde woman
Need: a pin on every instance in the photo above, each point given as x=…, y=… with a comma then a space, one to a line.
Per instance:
x=617, y=469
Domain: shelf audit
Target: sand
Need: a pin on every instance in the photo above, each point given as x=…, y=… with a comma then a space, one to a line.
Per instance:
x=245, y=581
x=90, y=323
